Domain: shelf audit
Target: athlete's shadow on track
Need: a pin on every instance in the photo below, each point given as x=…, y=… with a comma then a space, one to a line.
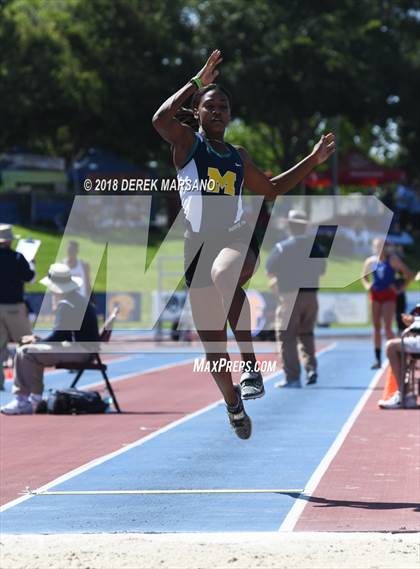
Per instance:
x=328, y=503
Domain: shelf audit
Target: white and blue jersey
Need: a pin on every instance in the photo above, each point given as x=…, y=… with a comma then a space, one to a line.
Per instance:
x=210, y=185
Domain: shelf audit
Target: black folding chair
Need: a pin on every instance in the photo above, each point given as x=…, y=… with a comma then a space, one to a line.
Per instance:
x=94, y=362
x=410, y=363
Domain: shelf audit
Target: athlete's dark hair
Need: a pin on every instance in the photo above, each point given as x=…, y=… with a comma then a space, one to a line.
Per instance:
x=195, y=101
x=186, y=116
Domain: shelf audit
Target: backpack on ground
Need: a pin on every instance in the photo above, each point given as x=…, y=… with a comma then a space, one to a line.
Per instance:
x=75, y=402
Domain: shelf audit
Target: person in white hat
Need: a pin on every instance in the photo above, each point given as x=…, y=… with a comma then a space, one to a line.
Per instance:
x=75, y=324
x=15, y=271
x=296, y=315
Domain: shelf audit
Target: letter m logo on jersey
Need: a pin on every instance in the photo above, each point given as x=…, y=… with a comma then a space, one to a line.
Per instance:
x=225, y=182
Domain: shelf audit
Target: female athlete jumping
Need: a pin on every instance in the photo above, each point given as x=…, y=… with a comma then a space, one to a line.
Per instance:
x=221, y=252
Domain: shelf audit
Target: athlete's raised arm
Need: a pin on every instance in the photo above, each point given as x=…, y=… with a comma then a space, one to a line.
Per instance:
x=180, y=135
x=258, y=183
x=367, y=269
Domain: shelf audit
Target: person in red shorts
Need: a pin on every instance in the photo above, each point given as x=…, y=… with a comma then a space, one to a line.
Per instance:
x=383, y=266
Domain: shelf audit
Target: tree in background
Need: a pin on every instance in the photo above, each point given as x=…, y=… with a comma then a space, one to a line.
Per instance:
x=291, y=65
x=408, y=107
x=79, y=73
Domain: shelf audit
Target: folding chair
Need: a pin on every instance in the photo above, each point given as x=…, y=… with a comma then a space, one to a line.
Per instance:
x=410, y=362
x=94, y=362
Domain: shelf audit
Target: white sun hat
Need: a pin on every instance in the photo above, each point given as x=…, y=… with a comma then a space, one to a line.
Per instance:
x=60, y=280
x=6, y=233
x=297, y=216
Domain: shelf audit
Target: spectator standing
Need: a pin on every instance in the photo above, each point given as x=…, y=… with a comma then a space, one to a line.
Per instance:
x=415, y=210
x=383, y=266
x=401, y=300
x=388, y=199
x=78, y=268
x=15, y=271
x=401, y=303
x=281, y=264
x=403, y=203
x=59, y=347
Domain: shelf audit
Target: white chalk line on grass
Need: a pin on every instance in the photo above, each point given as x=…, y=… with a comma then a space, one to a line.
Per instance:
x=295, y=512
x=96, y=462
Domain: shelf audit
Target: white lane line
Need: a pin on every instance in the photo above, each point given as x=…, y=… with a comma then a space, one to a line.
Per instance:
x=292, y=517
x=162, y=367
x=131, y=374
x=166, y=491
x=51, y=372
x=139, y=442
x=102, y=459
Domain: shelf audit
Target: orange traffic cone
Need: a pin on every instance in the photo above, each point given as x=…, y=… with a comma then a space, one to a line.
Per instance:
x=391, y=385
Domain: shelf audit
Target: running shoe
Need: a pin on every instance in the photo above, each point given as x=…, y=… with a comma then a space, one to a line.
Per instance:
x=239, y=420
x=394, y=402
x=18, y=406
x=252, y=385
x=312, y=377
x=376, y=365
x=287, y=384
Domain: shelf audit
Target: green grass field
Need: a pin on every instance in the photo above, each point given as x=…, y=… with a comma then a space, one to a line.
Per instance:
x=125, y=259
x=126, y=273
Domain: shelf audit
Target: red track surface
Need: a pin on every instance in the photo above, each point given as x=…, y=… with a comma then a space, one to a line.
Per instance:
x=373, y=482
x=36, y=449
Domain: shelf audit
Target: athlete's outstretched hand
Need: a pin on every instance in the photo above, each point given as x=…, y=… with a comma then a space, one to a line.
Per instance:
x=324, y=147
x=209, y=72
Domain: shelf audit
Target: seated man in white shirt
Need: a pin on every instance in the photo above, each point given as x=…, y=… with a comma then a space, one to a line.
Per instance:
x=75, y=335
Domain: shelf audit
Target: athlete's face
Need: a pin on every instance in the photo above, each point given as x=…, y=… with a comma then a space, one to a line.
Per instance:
x=214, y=112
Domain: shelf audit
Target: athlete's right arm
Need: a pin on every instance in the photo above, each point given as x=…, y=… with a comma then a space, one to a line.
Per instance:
x=367, y=268
x=179, y=135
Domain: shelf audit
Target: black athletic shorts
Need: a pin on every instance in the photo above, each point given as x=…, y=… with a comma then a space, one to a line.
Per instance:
x=214, y=245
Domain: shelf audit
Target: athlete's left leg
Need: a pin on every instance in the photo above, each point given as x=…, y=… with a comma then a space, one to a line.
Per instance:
x=210, y=320
x=232, y=268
